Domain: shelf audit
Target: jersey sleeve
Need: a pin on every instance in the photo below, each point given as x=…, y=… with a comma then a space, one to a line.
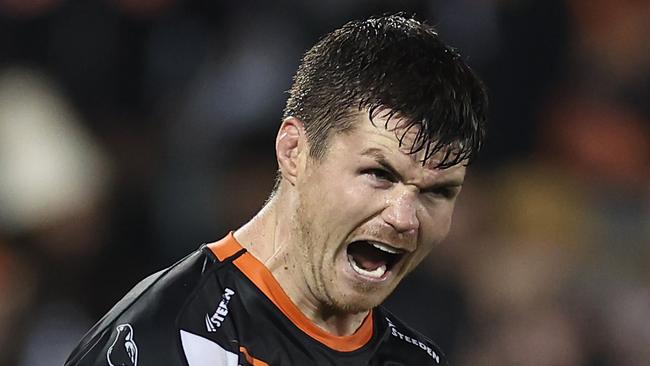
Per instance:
x=140, y=329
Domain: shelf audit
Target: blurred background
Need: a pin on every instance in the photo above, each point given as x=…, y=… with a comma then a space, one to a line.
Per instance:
x=132, y=131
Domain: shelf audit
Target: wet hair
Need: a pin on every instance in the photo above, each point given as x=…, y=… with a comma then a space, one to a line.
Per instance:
x=393, y=67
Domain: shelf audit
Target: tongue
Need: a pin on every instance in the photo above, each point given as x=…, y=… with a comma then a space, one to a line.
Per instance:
x=366, y=256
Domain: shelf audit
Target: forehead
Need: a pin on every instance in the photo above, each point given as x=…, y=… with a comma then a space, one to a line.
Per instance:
x=392, y=140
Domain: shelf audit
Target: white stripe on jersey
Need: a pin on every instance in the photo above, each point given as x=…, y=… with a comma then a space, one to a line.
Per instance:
x=200, y=351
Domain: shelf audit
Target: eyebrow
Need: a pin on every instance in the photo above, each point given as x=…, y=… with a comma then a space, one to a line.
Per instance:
x=381, y=159
x=379, y=156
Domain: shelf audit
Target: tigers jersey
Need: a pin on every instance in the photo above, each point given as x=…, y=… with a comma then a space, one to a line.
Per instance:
x=220, y=306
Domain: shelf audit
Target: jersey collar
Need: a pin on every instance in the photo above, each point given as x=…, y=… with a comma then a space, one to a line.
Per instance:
x=263, y=279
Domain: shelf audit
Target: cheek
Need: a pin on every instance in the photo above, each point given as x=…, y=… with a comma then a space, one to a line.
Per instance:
x=348, y=201
x=331, y=207
x=436, y=223
x=433, y=230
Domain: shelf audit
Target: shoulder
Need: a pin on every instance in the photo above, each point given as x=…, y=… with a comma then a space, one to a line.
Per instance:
x=145, y=316
x=404, y=340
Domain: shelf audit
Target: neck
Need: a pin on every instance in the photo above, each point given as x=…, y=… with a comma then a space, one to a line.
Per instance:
x=270, y=238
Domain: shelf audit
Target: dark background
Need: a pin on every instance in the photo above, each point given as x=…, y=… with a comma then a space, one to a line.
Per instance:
x=131, y=131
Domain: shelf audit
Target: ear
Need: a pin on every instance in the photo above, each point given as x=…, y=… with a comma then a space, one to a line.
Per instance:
x=290, y=146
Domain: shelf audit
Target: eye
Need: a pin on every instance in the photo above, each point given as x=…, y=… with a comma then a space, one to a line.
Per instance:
x=442, y=192
x=380, y=174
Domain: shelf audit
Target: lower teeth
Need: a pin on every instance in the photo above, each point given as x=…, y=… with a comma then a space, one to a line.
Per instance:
x=375, y=273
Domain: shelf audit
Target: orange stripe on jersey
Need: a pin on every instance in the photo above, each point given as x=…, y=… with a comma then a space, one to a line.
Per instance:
x=226, y=247
x=264, y=280
x=252, y=360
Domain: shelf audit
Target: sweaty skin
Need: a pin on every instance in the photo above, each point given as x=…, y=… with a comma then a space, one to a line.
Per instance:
x=366, y=187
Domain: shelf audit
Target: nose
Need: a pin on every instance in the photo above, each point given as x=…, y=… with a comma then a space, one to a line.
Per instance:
x=401, y=212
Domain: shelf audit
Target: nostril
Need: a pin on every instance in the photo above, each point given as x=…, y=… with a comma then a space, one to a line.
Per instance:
x=410, y=232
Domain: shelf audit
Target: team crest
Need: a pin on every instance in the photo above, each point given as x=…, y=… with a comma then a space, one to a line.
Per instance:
x=123, y=351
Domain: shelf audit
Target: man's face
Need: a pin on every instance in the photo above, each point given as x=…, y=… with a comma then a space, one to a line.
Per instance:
x=368, y=213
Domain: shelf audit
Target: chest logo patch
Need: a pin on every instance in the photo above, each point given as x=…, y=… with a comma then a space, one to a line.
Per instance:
x=123, y=351
x=214, y=321
x=396, y=333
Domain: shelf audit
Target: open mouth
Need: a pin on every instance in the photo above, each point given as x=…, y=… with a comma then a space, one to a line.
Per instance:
x=373, y=259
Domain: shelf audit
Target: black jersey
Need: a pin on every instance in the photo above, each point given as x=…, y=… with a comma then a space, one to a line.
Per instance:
x=220, y=306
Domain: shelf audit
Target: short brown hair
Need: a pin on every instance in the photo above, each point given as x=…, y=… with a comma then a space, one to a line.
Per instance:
x=395, y=65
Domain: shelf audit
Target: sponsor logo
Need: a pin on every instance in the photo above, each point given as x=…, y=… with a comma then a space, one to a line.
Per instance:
x=123, y=351
x=396, y=333
x=214, y=321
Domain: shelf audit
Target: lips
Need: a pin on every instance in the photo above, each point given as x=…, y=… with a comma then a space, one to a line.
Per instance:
x=373, y=259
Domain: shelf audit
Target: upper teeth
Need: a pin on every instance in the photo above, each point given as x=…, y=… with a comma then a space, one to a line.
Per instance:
x=384, y=247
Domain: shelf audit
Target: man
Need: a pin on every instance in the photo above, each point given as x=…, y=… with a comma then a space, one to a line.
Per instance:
x=381, y=121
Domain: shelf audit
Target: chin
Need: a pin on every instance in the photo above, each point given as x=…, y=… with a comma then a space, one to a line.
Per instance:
x=358, y=303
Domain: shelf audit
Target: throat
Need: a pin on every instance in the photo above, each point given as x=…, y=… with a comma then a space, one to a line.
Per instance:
x=314, y=312
x=366, y=257
x=341, y=324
